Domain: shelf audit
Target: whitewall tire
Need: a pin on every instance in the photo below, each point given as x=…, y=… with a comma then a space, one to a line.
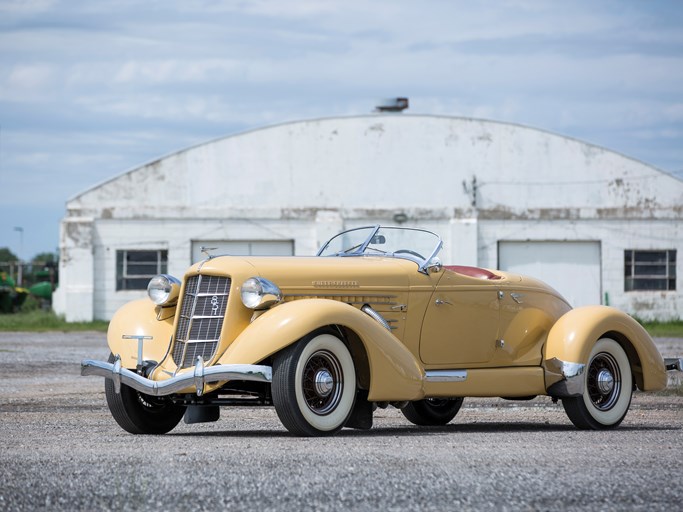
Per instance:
x=608, y=386
x=314, y=385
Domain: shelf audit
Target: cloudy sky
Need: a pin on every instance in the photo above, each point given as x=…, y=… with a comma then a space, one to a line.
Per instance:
x=90, y=89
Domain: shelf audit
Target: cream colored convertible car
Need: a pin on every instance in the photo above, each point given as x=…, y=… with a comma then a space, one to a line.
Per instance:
x=373, y=320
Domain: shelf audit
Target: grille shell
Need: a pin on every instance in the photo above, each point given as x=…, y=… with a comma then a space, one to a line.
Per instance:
x=202, y=311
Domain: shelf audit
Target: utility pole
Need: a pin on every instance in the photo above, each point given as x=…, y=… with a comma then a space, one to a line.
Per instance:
x=20, y=271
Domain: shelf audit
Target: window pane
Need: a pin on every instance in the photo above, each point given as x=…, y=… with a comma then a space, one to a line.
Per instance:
x=628, y=258
x=136, y=284
x=141, y=269
x=649, y=270
x=142, y=256
x=650, y=256
x=134, y=269
x=650, y=284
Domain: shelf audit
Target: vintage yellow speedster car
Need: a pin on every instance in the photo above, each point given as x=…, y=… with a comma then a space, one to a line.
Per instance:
x=373, y=320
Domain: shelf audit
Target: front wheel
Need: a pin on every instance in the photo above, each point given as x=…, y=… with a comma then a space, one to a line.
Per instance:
x=432, y=411
x=139, y=413
x=314, y=385
x=607, y=391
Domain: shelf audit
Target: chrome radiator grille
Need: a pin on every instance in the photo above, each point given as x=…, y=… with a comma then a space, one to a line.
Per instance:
x=201, y=319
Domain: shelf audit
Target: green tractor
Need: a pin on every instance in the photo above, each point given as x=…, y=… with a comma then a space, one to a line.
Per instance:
x=11, y=297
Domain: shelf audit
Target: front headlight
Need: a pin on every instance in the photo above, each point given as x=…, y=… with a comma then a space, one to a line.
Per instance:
x=259, y=293
x=163, y=290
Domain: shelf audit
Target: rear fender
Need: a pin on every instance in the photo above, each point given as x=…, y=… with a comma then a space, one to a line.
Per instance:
x=394, y=373
x=572, y=337
x=139, y=318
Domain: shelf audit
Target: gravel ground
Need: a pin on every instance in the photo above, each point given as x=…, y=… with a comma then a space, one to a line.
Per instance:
x=61, y=450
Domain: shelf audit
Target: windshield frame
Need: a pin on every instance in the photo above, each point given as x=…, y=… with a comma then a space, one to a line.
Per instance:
x=361, y=249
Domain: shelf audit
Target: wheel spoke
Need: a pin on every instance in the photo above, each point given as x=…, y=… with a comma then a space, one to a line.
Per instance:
x=321, y=395
x=604, y=381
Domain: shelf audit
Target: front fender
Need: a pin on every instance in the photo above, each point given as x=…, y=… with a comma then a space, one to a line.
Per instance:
x=572, y=337
x=139, y=318
x=394, y=372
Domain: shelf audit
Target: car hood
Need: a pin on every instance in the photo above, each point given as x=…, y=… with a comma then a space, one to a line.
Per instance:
x=294, y=272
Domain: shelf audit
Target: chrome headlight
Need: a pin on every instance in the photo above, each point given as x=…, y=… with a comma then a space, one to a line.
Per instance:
x=163, y=290
x=259, y=293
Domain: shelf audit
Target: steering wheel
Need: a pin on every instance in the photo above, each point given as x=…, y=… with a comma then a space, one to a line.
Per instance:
x=408, y=251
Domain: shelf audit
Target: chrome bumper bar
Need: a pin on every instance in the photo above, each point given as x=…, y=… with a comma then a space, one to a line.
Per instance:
x=573, y=382
x=195, y=379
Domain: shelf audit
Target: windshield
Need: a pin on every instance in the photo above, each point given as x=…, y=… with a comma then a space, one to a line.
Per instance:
x=416, y=245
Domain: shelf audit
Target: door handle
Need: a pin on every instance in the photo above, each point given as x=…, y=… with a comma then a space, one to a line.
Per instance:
x=517, y=297
x=441, y=302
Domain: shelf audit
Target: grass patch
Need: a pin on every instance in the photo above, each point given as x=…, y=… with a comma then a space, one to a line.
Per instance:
x=39, y=320
x=672, y=329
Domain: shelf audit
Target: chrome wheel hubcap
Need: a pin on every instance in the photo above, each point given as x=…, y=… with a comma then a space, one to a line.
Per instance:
x=605, y=381
x=324, y=383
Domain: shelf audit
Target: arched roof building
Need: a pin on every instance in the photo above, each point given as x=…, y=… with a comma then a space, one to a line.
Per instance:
x=599, y=226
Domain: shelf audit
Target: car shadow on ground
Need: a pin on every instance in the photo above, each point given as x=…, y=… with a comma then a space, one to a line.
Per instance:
x=413, y=431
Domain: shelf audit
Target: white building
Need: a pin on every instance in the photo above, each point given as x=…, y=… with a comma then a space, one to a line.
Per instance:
x=598, y=226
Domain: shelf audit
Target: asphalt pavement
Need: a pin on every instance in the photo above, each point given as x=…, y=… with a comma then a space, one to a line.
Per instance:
x=60, y=449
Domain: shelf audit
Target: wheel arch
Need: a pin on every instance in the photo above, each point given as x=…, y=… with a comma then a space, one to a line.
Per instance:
x=385, y=366
x=355, y=345
x=632, y=354
x=359, y=354
x=139, y=316
x=572, y=337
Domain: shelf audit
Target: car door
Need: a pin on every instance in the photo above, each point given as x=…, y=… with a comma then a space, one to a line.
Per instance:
x=460, y=326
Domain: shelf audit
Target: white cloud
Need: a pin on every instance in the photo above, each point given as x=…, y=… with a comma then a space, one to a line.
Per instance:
x=28, y=79
x=179, y=71
x=25, y=7
x=93, y=88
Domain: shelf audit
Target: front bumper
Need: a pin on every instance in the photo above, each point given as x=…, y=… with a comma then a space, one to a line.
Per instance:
x=195, y=379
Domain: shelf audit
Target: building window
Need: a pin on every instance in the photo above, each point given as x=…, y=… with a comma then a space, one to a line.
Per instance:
x=649, y=270
x=134, y=269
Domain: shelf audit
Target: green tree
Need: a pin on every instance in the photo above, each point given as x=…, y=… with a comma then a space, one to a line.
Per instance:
x=6, y=255
x=44, y=257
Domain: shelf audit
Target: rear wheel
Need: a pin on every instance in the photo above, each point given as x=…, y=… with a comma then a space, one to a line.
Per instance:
x=432, y=411
x=607, y=391
x=139, y=413
x=314, y=385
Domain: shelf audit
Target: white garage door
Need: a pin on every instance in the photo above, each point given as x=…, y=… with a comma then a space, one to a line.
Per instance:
x=572, y=268
x=243, y=248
